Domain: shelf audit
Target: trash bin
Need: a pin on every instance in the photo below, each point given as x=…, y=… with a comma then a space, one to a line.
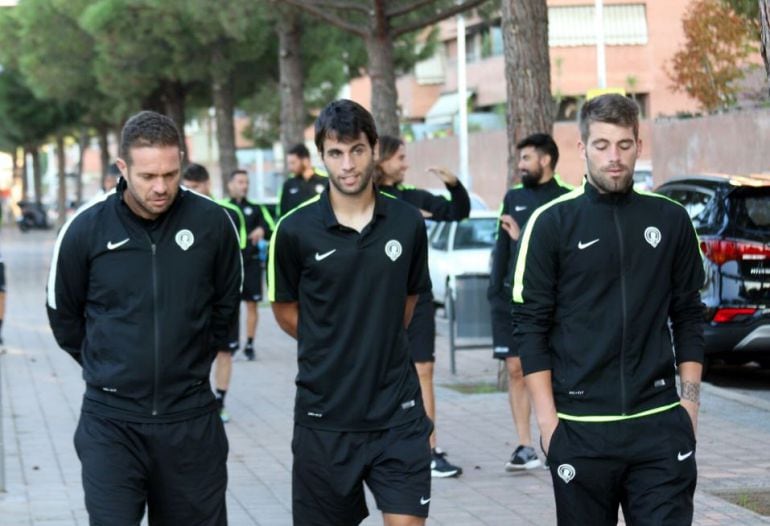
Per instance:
x=470, y=324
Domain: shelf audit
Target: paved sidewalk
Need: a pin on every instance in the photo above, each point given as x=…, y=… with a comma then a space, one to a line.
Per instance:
x=42, y=390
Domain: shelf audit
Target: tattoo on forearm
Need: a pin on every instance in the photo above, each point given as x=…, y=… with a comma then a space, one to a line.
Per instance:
x=691, y=392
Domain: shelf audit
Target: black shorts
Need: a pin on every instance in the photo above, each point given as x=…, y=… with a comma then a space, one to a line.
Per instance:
x=179, y=470
x=2, y=277
x=330, y=468
x=645, y=465
x=502, y=331
x=252, y=280
x=421, y=332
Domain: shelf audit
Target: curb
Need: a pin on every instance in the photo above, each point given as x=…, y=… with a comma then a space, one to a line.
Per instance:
x=736, y=397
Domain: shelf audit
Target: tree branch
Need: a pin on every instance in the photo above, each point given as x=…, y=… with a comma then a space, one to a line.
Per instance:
x=317, y=11
x=338, y=4
x=403, y=10
x=438, y=17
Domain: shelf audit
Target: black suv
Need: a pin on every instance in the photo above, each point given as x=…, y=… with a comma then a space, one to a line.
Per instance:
x=731, y=214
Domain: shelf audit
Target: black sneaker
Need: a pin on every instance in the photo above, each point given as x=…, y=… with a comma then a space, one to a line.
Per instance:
x=249, y=352
x=523, y=458
x=440, y=466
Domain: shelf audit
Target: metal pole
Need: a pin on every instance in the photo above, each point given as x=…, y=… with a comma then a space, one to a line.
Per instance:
x=462, y=95
x=601, y=64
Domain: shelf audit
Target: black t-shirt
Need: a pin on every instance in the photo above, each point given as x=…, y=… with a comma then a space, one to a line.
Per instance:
x=296, y=190
x=355, y=373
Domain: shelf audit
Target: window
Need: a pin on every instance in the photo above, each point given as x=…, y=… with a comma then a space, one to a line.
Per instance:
x=624, y=25
x=475, y=233
x=440, y=240
x=695, y=201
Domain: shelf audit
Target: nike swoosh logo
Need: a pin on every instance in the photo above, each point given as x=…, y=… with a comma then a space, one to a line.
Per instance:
x=424, y=501
x=520, y=208
x=681, y=457
x=113, y=246
x=319, y=257
x=582, y=246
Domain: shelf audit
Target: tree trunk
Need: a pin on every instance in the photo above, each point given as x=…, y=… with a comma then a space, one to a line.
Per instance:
x=292, y=78
x=764, y=16
x=174, y=94
x=102, y=132
x=61, y=199
x=222, y=88
x=37, y=176
x=85, y=136
x=381, y=69
x=527, y=73
x=24, y=179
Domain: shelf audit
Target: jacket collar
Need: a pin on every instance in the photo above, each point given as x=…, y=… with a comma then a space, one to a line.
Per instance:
x=610, y=199
x=330, y=220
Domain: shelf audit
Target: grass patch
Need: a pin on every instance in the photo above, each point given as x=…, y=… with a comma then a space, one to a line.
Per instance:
x=756, y=501
x=478, y=388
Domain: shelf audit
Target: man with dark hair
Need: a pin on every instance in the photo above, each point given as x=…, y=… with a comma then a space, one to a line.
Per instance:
x=606, y=288
x=303, y=183
x=196, y=178
x=258, y=228
x=421, y=333
x=143, y=286
x=538, y=155
x=346, y=269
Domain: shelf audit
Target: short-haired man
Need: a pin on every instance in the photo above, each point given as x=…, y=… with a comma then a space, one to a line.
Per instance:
x=346, y=269
x=538, y=155
x=303, y=183
x=606, y=287
x=196, y=178
x=143, y=285
x=259, y=225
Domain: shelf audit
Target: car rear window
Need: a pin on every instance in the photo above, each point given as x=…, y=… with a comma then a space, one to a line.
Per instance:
x=752, y=208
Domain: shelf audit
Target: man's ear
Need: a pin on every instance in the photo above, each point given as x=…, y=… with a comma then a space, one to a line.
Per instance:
x=122, y=166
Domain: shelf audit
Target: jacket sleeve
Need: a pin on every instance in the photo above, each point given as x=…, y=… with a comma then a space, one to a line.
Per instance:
x=500, y=259
x=534, y=291
x=456, y=208
x=686, y=310
x=67, y=289
x=228, y=280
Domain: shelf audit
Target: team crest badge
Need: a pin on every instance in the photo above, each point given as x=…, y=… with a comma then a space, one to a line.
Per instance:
x=319, y=188
x=566, y=472
x=393, y=249
x=185, y=239
x=652, y=236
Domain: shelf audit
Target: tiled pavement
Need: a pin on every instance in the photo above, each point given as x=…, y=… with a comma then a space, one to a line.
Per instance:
x=42, y=389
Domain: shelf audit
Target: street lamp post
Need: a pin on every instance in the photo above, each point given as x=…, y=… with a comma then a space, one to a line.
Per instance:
x=462, y=96
x=601, y=65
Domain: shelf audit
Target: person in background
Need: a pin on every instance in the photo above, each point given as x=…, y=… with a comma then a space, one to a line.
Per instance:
x=303, y=183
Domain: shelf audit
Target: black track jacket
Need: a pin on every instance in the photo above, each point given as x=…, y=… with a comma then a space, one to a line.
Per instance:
x=457, y=208
x=143, y=306
x=597, y=279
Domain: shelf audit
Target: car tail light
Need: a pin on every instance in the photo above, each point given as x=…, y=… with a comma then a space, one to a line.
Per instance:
x=721, y=251
x=730, y=314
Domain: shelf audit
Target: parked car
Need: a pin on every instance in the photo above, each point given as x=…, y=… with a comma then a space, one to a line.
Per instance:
x=462, y=247
x=731, y=215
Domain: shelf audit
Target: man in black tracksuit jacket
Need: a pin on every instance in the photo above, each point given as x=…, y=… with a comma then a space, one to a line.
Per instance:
x=143, y=284
x=538, y=156
x=600, y=274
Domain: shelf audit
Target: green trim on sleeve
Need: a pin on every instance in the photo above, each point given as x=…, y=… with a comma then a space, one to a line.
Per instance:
x=518, y=275
x=271, y=252
x=224, y=203
x=268, y=217
x=617, y=418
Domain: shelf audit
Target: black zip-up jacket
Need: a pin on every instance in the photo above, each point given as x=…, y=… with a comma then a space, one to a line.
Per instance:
x=456, y=208
x=143, y=306
x=597, y=279
x=519, y=202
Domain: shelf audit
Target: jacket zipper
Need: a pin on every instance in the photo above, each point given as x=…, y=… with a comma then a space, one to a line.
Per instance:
x=624, y=316
x=156, y=356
